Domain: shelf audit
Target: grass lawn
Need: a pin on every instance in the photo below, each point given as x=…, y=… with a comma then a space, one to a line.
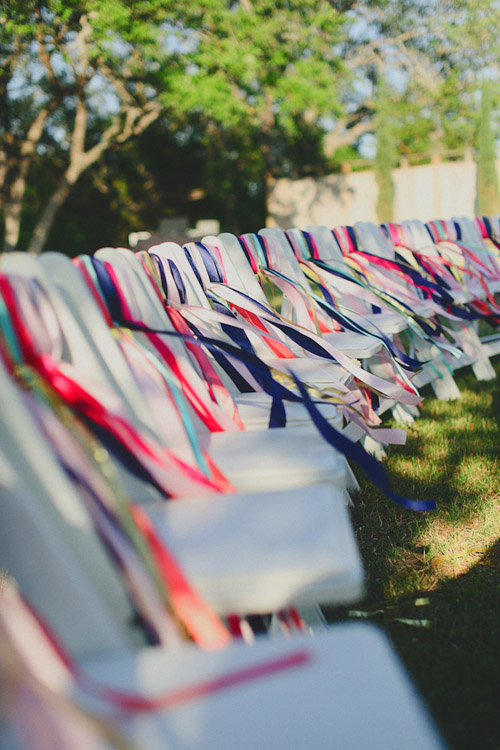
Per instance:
x=433, y=581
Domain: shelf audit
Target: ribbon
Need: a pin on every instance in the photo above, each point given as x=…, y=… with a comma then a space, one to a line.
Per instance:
x=336, y=439
x=356, y=453
x=144, y=455
x=16, y=616
x=321, y=348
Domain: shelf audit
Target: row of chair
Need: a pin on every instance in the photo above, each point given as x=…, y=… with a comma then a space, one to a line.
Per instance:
x=176, y=460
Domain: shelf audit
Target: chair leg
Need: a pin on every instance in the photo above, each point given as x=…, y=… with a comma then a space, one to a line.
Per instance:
x=373, y=446
x=405, y=413
x=482, y=367
x=443, y=384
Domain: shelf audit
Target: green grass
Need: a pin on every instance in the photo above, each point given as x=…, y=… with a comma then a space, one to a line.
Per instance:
x=434, y=580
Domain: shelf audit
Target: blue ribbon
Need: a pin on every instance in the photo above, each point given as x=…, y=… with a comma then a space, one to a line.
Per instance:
x=260, y=372
x=356, y=453
x=404, y=360
x=107, y=288
x=212, y=266
x=153, y=637
x=177, y=280
x=113, y=300
x=426, y=327
x=353, y=451
x=193, y=266
x=487, y=224
x=161, y=270
x=352, y=235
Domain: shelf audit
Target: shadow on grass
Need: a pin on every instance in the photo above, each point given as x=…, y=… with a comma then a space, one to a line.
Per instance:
x=449, y=640
x=433, y=581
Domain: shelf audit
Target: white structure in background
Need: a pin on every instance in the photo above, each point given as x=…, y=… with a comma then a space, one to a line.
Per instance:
x=135, y=237
x=204, y=227
x=439, y=189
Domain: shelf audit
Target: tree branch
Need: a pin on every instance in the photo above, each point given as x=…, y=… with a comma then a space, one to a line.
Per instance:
x=117, y=82
x=246, y=6
x=142, y=119
x=13, y=203
x=79, y=130
x=81, y=46
x=370, y=50
x=44, y=54
x=3, y=170
x=345, y=134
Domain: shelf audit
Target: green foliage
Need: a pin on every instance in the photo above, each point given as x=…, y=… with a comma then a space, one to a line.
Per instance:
x=257, y=81
x=488, y=199
x=386, y=156
x=268, y=70
x=441, y=118
x=153, y=177
x=343, y=154
x=268, y=66
x=458, y=112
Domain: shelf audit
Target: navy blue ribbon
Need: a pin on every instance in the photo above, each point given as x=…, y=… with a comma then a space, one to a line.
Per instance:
x=153, y=637
x=278, y=392
x=430, y=270
x=356, y=453
x=161, y=270
x=409, y=363
x=216, y=276
x=352, y=235
x=353, y=451
x=235, y=334
x=436, y=291
x=214, y=271
x=177, y=277
x=107, y=288
x=404, y=360
x=426, y=327
x=193, y=266
x=487, y=224
x=245, y=252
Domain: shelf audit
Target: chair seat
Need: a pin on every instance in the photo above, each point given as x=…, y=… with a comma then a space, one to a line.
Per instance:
x=275, y=459
x=262, y=552
x=343, y=689
x=353, y=344
x=254, y=409
x=388, y=323
x=319, y=372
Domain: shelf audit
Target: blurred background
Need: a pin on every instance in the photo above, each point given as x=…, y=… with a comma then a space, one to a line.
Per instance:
x=126, y=123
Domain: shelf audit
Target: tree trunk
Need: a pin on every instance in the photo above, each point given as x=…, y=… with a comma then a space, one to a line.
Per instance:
x=46, y=220
x=12, y=209
x=80, y=161
x=12, y=216
x=14, y=201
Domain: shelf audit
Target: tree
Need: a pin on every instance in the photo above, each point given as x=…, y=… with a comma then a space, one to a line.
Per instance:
x=270, y=66
x=256, y=85
x=488, y=199
x=430, y=53
x=80, y=79
x=88, y=75
x=386, y=155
